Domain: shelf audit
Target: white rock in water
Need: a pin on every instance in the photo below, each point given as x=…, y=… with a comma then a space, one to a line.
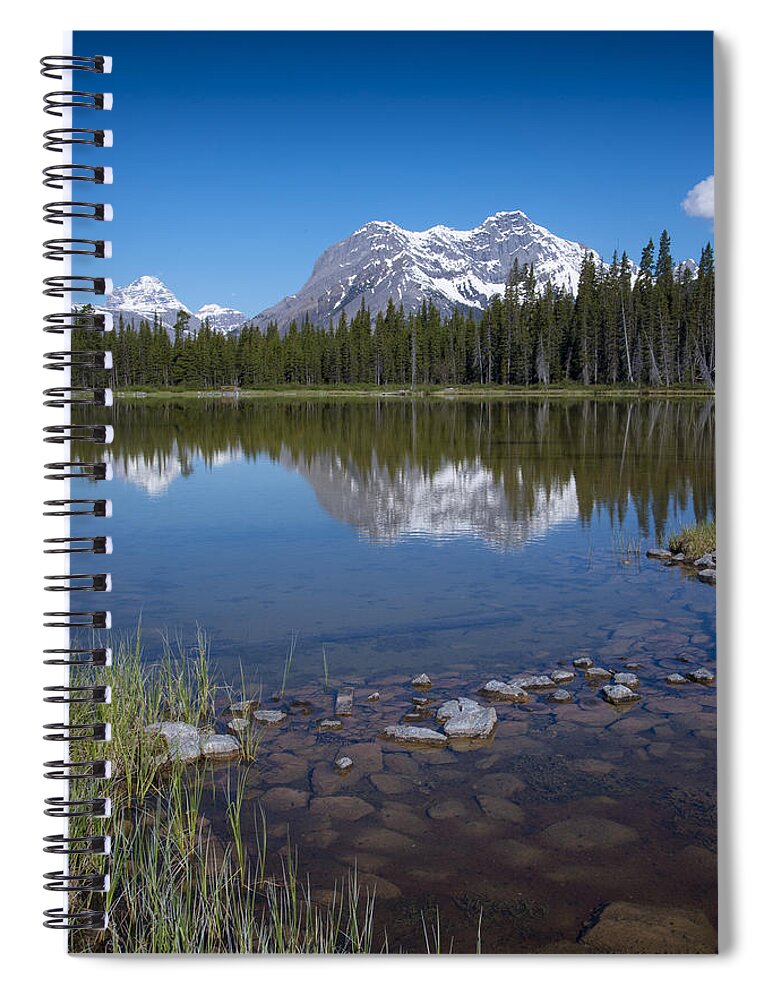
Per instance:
x=466, y=718
x=582, y=662
x=414, y=734
x=421, y=681
x=343, y=763
x=504, y=692
x=701, y=676
x=542, y=682
x=326, y=725
x=676, y=679
x=630, y=680
x=238, y=725
x=707, y=575
x=182, y=739
x=562, y=676
x=374, y=696
x=220, y=746
x=451, y=708
x=658, y=554
x=560, y=696
x=269, y=717
x=619, y=694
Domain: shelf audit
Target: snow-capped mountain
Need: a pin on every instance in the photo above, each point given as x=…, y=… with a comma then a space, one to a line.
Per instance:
x=222, y=318
x=148, y=297
x=454, y=268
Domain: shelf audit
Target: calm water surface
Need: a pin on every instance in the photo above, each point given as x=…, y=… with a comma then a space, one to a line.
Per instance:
x=470, y=540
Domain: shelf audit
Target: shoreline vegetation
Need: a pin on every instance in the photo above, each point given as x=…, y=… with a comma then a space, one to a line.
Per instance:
x=175, y=884
x=443, y=393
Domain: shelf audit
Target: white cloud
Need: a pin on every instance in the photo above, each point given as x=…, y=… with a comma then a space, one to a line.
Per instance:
x=699, y=202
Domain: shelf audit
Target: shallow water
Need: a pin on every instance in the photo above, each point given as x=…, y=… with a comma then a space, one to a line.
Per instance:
x=469, y=540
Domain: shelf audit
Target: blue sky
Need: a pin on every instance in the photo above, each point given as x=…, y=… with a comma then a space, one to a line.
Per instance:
x=239, y=157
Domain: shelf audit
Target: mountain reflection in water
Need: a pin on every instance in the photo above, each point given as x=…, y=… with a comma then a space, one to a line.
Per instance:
x=502, y=472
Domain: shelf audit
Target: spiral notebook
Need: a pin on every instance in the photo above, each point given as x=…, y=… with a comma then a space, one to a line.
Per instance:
x=383, y=366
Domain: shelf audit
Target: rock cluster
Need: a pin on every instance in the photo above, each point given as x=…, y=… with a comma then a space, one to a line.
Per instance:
x=705, y=566
x=185, y=744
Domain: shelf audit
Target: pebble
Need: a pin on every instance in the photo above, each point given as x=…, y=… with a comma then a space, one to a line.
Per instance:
x=597, y=674
x=421, y=681
x=676, y=679
x=242, y=707
x=343, y=704
x=269, y=717
x=414, y=734
x=628, y=679
x=562, y=676
x=619, y=694
x=701, y=676
x=582, y=662
x=374, y=696
x=343, y=764
x=504, y=692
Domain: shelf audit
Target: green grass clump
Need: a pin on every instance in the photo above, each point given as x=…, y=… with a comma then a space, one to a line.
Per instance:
x=175, y=885
x=695, y=540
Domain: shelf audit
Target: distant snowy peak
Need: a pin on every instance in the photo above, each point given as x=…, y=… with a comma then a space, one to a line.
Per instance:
x=148, y=297
x=456, y=268
x=221, y=318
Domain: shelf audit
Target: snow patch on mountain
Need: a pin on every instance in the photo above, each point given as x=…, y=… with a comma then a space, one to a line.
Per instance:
x=148, y=297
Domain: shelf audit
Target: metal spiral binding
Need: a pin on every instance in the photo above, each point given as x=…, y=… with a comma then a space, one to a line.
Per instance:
x=80, y=889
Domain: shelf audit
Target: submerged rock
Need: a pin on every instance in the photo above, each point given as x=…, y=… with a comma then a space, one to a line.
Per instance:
x=560, y=696
x=595, y=675
x=242, y=707
x=658, y=554
x=421, y=681
x=504, y=692
x=628, y=679
x=707, y=575
x=343, y=764
x=220, y=746
x=182, y=739
x=701, y=676
x=661, y=930
x=283, y=798
x=588, y=833
x=676, y=679
x=619, y=694
x=562, y=676
x=464, y=717
x=582, y=662
x=329, y=725
x=418, y=735
x=238, y=725
x=269, y=717
x=343, y=704
x=500, y=809
x=346, y=808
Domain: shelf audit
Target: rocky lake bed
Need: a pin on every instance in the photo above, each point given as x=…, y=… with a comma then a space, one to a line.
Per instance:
x=583, y=785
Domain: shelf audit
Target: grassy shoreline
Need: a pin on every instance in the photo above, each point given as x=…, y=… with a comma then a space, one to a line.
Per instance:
x=435, y=392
